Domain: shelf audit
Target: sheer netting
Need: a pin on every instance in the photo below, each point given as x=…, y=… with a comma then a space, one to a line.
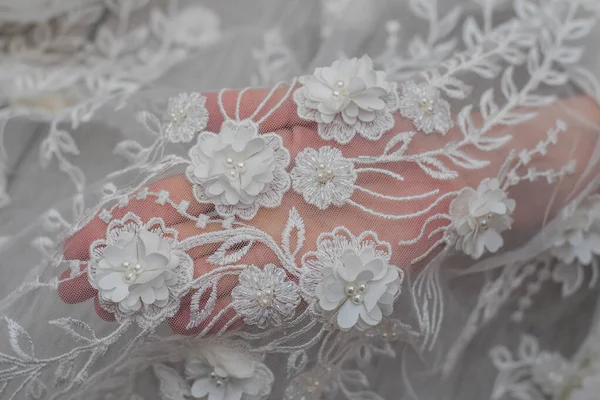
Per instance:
x=397, y=200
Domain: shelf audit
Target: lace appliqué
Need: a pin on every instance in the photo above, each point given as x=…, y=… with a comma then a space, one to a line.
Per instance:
x=347, y=98
x=238, y=170
x=138, y=269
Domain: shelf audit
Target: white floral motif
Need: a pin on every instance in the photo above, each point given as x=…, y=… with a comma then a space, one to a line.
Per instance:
x=225, y=373
x=264, y=296
x=423, y=105
x=238, y=170
x=346, y=98
x=551, y=371
x=196, y=26
x=479, y=216
x=137, y=268
x=186, y=115
x=580, y=239
x=323, y=177
x=350, y=277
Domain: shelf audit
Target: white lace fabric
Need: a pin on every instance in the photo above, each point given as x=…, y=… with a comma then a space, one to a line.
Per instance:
x=407, y=212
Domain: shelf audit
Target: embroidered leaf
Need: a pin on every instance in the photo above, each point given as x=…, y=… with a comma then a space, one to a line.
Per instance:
x=471, y=33
x=35, y=389
x=65, y=142
x=516, y=118
x=501, y=358
x=47, y=149
x=491, y=143
x=421, y=9
x=507, y=84
x=171, y=385
x=230, y=251
x=43, y=244
x=20, y=341
x=53, y=221
x=487, y=105
x=398, y=144
x=448, y=23
x=150, y=121
x=455, y=88
x=293, y=224
x=569, y=55
x=463, y=160
x=580, y=28
x=63, y=371
x=435, y=168
x=198, y=313
x=131, y=150
x=77, y=329
x=556, y=78
x=296, y=362
x=528, y=348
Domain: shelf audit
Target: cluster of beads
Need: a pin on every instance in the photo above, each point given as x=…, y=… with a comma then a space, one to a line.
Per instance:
x=218, y=380
x=235, y=168
x=132, y=271
x=427, y=105
x=265, y=297
x=324, y=174
x=340, y=89
x=355, y=291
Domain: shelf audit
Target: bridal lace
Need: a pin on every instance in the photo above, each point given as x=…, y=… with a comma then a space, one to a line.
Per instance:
x=400, y=204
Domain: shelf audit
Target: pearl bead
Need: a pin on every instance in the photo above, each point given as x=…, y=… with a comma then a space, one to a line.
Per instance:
x=384, y=335
x=137, y=268
x=483, y=224
x=240, y=165
x=229, y=162
x=219, y=383
x=130, y=277
x=336, y=93
x=265, y=301
x=322, y=166
x=362, y=287
x=340, y=84
x=324, y=175
x=350, y=290
x=490, y=215
x=233, y=173
x=126, y=264
x=213, y=375
x=357, y=299
x=268, y=292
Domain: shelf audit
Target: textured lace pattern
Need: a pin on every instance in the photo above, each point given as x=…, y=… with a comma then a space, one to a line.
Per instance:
x=276, y=256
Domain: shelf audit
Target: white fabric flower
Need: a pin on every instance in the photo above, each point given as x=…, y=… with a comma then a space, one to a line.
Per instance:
x=264, y=296
x=423, y=105
x=323, y=177
x=239, y=170
x=186, y=115
x=136, y=268
x=226, y=373
x=351, y=278
x=346, y=98
x=551, y=371
x=580, y=239
x=196, y=26
x=479, y=216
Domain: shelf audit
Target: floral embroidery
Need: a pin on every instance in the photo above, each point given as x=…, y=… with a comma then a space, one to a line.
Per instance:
x=186, y=115
x=196, y=26
x=323, y=177
x=580, y=240
x=311, y=385
x=423, y=105
x=226, y=373
x=346, y=98
x=137, y=267
x=264, y=297
x=238, y=170
x=351, y=278
x=550, y=371
x=479, y=216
